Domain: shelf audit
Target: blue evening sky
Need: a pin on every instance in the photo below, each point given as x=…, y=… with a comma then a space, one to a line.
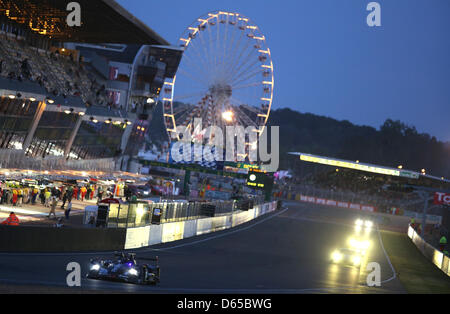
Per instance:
x=329, y=62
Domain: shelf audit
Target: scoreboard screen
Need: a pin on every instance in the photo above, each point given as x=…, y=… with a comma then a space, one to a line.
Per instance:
x=258, y=179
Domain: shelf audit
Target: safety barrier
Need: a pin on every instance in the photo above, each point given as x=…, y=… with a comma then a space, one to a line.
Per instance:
x=329, y=202
x=49, y=239
x=173, y=231
x=431, y=253
x=39, y=239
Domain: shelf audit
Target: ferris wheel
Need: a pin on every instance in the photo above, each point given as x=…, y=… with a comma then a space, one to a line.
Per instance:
x=225, y=76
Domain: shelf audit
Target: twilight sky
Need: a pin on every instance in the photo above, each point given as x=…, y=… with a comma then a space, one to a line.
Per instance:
x=327, y=61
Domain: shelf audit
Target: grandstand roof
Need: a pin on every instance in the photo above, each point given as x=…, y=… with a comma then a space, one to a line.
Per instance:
x=103, y=21
x=125, y=55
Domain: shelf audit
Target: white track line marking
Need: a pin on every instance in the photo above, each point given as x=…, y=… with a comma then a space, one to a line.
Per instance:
x=387, y=257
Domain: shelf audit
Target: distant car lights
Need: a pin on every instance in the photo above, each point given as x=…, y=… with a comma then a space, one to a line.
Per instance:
x=357, y=247
x=336, y=256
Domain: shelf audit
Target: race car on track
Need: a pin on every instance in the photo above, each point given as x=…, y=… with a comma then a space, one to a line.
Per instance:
x=349, y=257
x=125, y=268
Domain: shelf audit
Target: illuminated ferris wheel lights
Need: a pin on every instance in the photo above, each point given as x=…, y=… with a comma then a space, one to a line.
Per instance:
x=228, y=116
x=225, y=76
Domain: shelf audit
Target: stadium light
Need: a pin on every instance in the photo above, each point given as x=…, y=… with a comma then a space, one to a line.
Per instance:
x=348, y=164
x=356, y=166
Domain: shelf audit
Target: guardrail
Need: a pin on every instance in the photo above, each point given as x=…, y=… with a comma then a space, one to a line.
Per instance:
x=431, y=253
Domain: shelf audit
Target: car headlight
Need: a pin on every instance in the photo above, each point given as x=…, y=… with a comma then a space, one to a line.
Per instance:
x=336, y=256
x=368, y=224
x=359, y=222
x=356, y=260
x=133, y=272
x=95, y=267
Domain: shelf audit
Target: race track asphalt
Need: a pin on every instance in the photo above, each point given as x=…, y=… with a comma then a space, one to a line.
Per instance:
x=287, y=251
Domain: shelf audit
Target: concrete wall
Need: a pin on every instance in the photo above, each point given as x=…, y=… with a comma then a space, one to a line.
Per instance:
x=169, y=232
x=37, y=239
x=435, y=256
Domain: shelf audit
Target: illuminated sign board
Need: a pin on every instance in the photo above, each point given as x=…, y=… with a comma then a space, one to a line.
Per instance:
x=358, y=166
x=256, y=179
x=442, y=198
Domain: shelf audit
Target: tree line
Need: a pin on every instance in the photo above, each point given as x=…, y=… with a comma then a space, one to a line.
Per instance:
x=394, y=143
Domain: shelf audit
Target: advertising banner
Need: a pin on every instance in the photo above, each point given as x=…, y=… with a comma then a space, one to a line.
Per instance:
x=441, y=198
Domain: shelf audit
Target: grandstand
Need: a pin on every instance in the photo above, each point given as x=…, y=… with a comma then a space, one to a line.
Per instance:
x=78, y=93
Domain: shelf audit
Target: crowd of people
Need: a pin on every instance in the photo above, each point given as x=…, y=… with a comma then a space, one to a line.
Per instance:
x=49, y=196
x=58, y=74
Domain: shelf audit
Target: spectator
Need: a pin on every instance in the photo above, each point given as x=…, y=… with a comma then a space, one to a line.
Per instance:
x=12, y=220
x=15, y=197
x=64, y=199
x=83, y=191
x=88, y=194
x=42, y=196
x=19, y=196
x=75, y=193
x=34, y=195
x=53, y=207
x=68, y=210
x=99, y=195
x=442, y=243
x=47, y=195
